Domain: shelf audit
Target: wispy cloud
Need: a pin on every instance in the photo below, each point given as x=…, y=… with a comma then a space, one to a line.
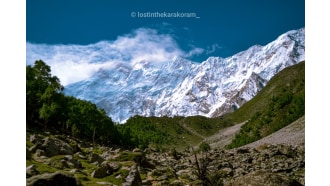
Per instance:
x=212, y=49
x=72, y=63
x=194, y=52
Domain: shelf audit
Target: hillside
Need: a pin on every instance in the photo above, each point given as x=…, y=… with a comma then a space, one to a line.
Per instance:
x=293, y=134
x=292, y=79
x=281, y=102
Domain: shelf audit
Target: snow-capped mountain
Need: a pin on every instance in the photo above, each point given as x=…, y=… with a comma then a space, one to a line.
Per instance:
x=182, y=87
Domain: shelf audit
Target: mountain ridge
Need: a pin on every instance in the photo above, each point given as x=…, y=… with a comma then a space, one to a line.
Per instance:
x=179, y=87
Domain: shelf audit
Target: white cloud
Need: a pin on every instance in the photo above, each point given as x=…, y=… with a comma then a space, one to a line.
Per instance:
x=194, y=52
x=212, y=49
x=72, y=63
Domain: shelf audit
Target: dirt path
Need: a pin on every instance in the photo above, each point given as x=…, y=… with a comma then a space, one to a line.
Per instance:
x=224, y=136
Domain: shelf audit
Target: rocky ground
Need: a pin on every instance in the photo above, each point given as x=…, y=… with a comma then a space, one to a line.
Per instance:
x=61, y=160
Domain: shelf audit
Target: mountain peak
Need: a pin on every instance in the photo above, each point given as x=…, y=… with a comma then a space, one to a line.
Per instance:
x=182, y=87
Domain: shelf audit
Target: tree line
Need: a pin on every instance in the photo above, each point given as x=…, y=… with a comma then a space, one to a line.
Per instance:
x=47, y=108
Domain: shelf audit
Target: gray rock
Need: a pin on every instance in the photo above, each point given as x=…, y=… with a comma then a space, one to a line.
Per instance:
x=133, y=178
x=100, y=172
x=74, y=162
x=31, y=170
x=262, y=178
x=40, y=153
x=93, y=157
x=35, y=138
x=54, y=179
x=137, y=150
x=227, y=172
x=53, y=147
x=111, y=167
x=285, y=150
x=104, y=183
x=34, y=148
x=107, y=155
x=81, y=155
x=58, y=163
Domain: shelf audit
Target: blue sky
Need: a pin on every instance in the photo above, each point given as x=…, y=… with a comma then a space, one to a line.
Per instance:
x=78, y=37
x=223, y=29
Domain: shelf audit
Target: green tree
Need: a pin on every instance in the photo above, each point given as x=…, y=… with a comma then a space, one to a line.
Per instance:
x=43, y=95
x=49, y=108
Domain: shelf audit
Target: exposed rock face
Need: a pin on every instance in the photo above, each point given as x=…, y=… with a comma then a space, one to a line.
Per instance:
x=55, y=179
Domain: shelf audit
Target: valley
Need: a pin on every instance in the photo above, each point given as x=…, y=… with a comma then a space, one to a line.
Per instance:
x=204, y=129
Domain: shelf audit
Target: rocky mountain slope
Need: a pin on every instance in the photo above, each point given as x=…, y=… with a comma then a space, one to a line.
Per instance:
x=181, y=87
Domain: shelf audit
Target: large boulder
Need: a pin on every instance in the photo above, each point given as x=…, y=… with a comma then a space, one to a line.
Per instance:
x=54, y=179
x=53, y=147
x=100, y=172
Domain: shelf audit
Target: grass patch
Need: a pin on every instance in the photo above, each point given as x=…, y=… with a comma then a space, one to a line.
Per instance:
x=29, y=144
x=87, y=180
x=42, y=167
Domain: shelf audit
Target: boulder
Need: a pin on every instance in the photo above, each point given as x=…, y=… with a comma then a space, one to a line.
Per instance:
x=100, y=172
x=133, y=178
x=35, y=138
x=286, y=150
x=40, y=153
x=34, y=148
x=58, y=163
x=137, y=150
x=31, y=171
x=93, y=157
x=53, y=147
x=107, y=155
x=72, y=161
x=111, y=167
x=55, y=179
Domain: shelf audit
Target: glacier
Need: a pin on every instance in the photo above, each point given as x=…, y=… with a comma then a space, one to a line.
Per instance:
x=179, y=87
